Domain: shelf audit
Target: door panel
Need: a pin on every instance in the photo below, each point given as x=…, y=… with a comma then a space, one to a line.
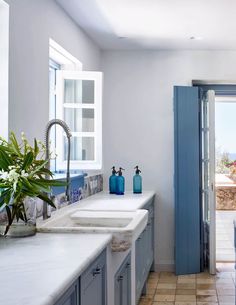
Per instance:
x=187, y=180
x=208, y=178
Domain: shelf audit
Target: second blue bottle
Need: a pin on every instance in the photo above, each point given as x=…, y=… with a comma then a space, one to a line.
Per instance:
x=120, y=183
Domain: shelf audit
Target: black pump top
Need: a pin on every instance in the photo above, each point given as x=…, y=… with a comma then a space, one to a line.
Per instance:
x=114, y=170
x=138, y=171
x=120, y=171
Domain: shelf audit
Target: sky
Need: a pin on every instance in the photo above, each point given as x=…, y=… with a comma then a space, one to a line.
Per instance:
x=225, y=126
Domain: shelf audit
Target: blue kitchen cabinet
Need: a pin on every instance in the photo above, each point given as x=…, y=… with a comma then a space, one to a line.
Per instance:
x=93, y=283
x=144, y=252
x=70, y=297
x=123, y=283
x=90, y=288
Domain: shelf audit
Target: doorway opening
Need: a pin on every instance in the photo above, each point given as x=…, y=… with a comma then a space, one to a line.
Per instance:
x=225, y=178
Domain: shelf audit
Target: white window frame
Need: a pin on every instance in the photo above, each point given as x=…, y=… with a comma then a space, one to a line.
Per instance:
x=62, y=57
x=95, y=164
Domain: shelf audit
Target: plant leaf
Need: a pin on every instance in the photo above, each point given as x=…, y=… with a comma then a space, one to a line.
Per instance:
x=28, y=160
x=47, y=199
x=15, y=144
x=5, y=160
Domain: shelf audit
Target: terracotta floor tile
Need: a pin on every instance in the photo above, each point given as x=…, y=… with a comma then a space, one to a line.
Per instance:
x=166, y=298
x=151, y=291
x=167, y=274
x=186, y=286
x=145, y=301
x=185, y=303
x=207, y=298
x=186, y=291
x=151, y=285
x=206, y=292
x=166, y=286
x=204, y=275
x=185, y=298
x=167, y=280
x=206, y=286
x=207, y=303
x=162, y=303
x=186, y=280
x=154, y=275
x=165, y=291
x=205, y=280
x=187, y=276
x=152, y=281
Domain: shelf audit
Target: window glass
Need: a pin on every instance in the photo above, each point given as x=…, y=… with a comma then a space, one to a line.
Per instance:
x=79, y=120
x=82, y=148
x=79, y=91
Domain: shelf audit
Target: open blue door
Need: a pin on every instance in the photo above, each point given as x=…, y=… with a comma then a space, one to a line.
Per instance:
x=187, y=180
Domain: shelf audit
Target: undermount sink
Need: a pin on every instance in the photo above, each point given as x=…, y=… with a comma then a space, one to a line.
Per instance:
x=124, y=226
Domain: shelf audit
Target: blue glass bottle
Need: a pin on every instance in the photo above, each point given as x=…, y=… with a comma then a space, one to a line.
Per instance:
x=120, y=183
x=137, y=181
x=112, y=181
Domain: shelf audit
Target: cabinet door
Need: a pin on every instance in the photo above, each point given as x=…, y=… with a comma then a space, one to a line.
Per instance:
x=150, y=238
x=118, y=290
x=123, y=284
x=70, y=297
x=93, y=283
x=139, y=265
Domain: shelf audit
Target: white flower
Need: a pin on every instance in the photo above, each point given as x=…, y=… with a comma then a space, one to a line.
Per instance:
x=3, y=175
x=23, y=136
x=24, y=174
x=13, y=176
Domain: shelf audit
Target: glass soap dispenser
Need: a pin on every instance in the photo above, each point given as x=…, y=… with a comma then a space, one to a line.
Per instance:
x=112, y=181
x=120, y=183
x=137, y=181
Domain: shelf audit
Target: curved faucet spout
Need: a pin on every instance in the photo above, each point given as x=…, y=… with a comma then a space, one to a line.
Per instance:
x=68, y=135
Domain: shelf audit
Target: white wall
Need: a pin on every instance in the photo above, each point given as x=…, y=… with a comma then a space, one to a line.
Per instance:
x=4, y=67
x=138, y=120
x=32, y=23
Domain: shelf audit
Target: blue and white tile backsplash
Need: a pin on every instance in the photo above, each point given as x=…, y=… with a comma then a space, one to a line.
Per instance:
x=81, y=187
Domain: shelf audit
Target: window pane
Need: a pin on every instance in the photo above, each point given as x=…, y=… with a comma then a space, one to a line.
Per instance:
x=82, y=148
x=79, y=91
x=79, y=120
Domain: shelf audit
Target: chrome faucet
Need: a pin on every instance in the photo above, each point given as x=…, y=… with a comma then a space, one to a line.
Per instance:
x=68, y=135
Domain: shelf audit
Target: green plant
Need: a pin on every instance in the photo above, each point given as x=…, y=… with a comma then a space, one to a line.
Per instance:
x=23, y=173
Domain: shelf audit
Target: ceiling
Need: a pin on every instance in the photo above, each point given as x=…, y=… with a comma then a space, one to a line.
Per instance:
x=156, y=24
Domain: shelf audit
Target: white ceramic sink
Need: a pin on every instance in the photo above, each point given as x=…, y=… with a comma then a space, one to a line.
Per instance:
x=102, y=219
x=124, y=226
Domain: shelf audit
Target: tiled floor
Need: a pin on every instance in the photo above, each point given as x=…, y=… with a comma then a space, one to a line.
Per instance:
x=166, y=288
x=225, y=236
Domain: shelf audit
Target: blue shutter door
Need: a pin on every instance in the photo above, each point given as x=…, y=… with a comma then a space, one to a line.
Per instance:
x=187, y=180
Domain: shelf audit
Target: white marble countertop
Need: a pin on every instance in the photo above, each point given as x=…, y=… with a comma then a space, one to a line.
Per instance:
x=38, y=270
x=107, y=202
